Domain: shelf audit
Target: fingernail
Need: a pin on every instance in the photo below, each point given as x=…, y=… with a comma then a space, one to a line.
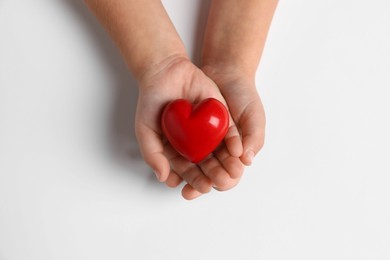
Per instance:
x=250, y=155
x=157, y=174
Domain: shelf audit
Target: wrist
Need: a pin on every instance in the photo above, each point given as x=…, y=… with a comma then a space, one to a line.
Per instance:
x=223, y=73
x=157, y=66
x=152, y=66
x=228, y=61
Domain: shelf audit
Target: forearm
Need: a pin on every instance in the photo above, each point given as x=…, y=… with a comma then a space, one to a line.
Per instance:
x=141, y=29
x=236, y=33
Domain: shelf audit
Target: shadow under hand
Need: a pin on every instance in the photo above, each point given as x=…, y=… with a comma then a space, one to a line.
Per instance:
x=121, y=140
x=199, y=30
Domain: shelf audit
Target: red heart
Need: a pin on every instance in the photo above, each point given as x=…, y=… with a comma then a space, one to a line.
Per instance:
x=195, y=131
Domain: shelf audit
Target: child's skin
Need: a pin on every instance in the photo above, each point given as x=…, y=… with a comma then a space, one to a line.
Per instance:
x=234, y=39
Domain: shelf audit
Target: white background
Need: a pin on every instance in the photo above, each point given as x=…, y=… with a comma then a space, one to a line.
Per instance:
x=73, y=186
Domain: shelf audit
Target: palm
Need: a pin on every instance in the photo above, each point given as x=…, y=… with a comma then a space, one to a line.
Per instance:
x=180, y=80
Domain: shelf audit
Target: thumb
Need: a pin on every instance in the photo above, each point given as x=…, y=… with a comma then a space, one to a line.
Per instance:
x=253, y=132
x=152, y=150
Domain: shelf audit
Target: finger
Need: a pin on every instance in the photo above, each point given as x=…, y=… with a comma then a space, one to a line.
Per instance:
x=233, y=140
x=179, y=164
x=173, y=180
x=252, y=123
x=231, y=164
x=220, y=178
x=175, y=160
x=189, y=193
x=188, y=171
x=152, y=150
x=195, y=177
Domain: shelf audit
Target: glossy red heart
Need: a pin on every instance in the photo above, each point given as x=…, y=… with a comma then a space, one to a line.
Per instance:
x=195, y=130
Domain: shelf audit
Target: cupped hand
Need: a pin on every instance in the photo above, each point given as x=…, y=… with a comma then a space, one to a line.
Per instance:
x=245, y=106
x=173, y=78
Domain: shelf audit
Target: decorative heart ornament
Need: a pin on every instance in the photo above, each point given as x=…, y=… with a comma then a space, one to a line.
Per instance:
x=195, y=130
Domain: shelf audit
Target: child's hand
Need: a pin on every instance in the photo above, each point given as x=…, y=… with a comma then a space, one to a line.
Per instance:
x=234, y=40
x=235, y=36
x=174, y=78
x=245, y=108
